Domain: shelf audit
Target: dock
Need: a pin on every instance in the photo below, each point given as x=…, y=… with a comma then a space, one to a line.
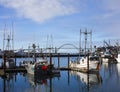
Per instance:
x=9, y=70
x=18, y=69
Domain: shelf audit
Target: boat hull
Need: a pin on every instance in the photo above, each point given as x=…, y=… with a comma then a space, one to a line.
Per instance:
x=84, y=64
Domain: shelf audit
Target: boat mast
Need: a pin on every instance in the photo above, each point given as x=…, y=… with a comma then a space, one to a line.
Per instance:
x=90, y=41
x=80, y=44
x=12, y=38
x=4, y=37
x=86, y=34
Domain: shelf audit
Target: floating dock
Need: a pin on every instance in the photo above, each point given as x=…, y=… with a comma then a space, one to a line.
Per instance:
x=18, y=69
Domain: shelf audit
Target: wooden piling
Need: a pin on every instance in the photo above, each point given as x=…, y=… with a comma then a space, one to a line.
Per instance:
x=58, y=60
x=88, y=62
x=15, y=61
x=68, y=59
x=50, y=58
x=4, y=63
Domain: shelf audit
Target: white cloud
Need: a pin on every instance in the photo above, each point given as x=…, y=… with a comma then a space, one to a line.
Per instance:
x=41, y=10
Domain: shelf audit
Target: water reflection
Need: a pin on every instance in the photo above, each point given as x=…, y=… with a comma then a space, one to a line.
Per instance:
x=107, y=80
x=86, y=81
x=8, y=82
x=108, y=71
x=37, y=83
x=41, y=83
x=111, y=77
x=32, y=83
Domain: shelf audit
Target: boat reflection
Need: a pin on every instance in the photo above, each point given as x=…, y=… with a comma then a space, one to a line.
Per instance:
x=34, y=83
x=87, y=81
x=36, y=80
x=42, y=83
x=8, y=81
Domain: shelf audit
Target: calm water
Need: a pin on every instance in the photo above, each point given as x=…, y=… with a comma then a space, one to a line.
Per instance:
x=107, y=80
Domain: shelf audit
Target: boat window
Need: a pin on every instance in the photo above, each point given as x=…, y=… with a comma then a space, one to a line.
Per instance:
x=94, y=58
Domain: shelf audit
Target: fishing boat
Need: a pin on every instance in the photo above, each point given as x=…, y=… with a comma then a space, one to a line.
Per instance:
x=85, y=64
x=41, y=67
x=31, y=66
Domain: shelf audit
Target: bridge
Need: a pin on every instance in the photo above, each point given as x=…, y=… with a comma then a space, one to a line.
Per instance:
x=64, y=47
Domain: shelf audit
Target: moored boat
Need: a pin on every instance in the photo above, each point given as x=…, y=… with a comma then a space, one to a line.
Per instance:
x=41, y=67
x=86, y=64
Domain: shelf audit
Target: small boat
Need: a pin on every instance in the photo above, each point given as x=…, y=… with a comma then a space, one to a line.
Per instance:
x=10, y=63
x=86, y=64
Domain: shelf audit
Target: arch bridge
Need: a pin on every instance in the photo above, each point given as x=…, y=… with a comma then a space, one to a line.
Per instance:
x=63, y=46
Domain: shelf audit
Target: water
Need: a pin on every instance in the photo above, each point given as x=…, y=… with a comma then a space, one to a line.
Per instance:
x=107, y=80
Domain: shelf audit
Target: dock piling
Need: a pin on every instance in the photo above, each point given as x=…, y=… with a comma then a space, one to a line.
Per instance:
x=58, y=60
x=68, y=59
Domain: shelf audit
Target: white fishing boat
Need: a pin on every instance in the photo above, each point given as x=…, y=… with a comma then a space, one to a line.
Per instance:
x=88, y=62
x=85, y=63
x=41, y=67
x=31, y=66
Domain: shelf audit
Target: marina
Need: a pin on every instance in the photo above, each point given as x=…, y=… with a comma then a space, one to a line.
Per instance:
x=87, y=67
x=59, y=46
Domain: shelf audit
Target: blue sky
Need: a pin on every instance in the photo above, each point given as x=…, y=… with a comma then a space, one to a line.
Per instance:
x=34, y=20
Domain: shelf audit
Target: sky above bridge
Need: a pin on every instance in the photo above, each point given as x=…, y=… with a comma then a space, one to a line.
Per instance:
x=35, y=21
